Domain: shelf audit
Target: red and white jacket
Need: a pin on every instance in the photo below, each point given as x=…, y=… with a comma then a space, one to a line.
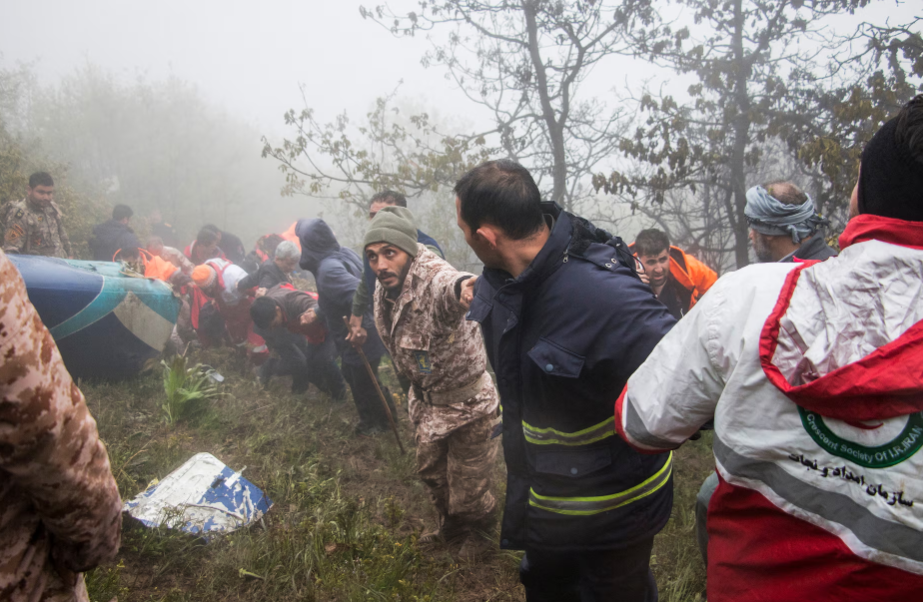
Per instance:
x=813, y=373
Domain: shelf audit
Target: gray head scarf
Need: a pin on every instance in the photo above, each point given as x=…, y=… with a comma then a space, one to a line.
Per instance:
x=770, y=216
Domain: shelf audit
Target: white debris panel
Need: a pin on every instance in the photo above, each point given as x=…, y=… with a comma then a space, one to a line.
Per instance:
x=203, y=497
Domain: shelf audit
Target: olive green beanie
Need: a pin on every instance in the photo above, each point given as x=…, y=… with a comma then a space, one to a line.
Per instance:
x=395, y=226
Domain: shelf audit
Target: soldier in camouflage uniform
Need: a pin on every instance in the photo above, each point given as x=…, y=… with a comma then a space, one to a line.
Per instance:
x=453, y=401
x=32, y=226
x=60, y=512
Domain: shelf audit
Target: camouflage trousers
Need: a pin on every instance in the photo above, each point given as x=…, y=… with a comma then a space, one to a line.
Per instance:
x=457, y=472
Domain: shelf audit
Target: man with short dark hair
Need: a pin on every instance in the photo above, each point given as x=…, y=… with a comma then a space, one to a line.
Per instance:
x=677, y=278
x=783, y=224
x=33, y=225
x=362, y=300
x=565, y=320
x=231, y=245
x=813, y=375
x=205, y=246
x=305, y=351
x=420, y=314
x=114, y=234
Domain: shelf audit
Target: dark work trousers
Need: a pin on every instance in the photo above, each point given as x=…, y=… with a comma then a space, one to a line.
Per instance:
x=368, y=403
x=306, y=363
x=603, y=576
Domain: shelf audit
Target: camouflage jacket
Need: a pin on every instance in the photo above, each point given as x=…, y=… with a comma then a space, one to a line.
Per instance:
x=433, y=345
x=32, y=230
x=60, y=512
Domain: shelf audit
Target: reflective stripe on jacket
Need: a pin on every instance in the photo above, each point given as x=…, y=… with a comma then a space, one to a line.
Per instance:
x=812, y=373
x=563, y=339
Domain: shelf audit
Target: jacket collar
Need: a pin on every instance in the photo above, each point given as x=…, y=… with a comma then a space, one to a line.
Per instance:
x=550, y=258
x=867, y=227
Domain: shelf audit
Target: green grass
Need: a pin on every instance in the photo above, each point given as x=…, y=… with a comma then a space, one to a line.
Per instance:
x=347, y=511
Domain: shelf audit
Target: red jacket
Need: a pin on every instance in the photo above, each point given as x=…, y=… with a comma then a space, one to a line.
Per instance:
x=813, y=374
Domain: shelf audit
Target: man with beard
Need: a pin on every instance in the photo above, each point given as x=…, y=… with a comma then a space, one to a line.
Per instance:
x=420, y=315
x=812, y=375
x=783, y=224
x=32, y=226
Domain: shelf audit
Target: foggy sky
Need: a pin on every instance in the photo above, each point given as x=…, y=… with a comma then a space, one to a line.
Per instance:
x=248, y=57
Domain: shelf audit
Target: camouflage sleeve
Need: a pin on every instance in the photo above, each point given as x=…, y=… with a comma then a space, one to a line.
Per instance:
x=445, y=289
x=15, y=230
x=49, y=446
x=65, y=241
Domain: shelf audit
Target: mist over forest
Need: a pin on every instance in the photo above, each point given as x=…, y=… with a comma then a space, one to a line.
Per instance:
x=632, y=114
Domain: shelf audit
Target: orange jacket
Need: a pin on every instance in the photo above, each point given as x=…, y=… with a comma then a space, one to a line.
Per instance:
x=694, y=276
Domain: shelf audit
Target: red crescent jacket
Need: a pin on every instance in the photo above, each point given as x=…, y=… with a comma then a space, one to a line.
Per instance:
x=813, y=373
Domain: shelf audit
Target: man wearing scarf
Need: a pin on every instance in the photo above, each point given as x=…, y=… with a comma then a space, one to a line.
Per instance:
x=813, y=375
x=783, y=224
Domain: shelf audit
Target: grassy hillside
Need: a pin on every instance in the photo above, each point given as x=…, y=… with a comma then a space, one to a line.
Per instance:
x=348, y=511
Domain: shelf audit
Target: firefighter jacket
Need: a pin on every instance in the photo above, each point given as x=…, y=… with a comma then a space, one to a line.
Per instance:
x=436, y=348
x=60, y=512
x=812, y=372
x=563, y=338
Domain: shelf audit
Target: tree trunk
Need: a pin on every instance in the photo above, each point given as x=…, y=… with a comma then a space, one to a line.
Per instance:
x=741, y=132
x=554, y=125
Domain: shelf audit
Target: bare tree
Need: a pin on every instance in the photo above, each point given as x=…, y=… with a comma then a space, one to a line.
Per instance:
x=525, y=61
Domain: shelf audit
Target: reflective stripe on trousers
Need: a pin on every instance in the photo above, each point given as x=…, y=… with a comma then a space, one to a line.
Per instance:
x=582, y=506
x=550, y=436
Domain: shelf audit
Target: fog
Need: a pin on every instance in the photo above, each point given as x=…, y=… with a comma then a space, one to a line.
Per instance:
x=248, y=64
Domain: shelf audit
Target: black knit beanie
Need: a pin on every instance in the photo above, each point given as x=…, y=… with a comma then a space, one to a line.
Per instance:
x=891, y=179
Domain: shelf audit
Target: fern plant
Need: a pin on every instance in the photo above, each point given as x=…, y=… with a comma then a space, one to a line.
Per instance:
x=188, y=389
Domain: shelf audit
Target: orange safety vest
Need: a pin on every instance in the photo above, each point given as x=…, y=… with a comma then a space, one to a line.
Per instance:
x=155, y=267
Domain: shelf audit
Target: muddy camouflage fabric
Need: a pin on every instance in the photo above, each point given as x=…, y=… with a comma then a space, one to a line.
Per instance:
x=457, y=472
x=442, y=353
x=60, y=512
x=433, y=345
x=33, y=230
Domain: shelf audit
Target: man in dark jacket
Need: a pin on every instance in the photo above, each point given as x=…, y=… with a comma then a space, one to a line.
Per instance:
x=337, y=272
x=230, y=244
x=566, y=320
x=305, y=352
x=783, y=224
x=114, y=234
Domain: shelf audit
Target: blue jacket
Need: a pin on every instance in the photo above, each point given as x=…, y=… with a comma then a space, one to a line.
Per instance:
x=336, y=271
x=369, y=276
x=563, y=338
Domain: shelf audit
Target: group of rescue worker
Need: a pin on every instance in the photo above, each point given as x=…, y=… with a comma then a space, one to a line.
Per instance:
x=606, y=357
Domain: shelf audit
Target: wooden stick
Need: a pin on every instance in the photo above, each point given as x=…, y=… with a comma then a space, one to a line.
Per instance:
x=381, y=395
